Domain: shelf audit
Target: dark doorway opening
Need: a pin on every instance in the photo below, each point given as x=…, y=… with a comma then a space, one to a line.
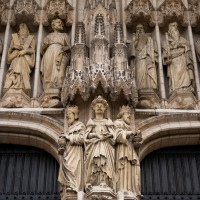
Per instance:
x=27, y=173
x=172, y=174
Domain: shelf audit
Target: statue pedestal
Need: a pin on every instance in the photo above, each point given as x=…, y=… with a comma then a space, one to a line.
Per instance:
x=125, y=196
x=100, y=193
x=182, y=99
x=50, y=98
x=72, y=195
x=148, y=98
x=16, y=98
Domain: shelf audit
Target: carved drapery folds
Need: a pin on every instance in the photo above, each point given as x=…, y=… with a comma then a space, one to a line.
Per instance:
x=21, y=58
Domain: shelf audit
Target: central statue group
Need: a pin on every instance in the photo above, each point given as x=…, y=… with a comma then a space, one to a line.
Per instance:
x=103, y=154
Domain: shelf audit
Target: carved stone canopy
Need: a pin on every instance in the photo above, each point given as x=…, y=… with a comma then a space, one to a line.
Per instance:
x=172, y=10
x=25, y=10
x=4, y=6
x=59, y=8
x=139, y=9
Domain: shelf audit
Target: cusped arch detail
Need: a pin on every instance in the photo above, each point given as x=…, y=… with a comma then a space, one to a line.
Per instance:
x=30, y=129
x=169, y=130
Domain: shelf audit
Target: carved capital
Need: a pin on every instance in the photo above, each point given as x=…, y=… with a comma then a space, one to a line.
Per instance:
x=61, y=9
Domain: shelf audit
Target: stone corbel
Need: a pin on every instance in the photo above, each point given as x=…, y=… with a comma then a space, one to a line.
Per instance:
x=58, y=8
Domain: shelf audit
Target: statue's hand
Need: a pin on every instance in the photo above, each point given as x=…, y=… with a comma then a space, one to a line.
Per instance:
x=65, y=48
x=22, y=52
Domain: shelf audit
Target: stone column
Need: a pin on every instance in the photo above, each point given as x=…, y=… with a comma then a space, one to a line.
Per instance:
x=160, y=68
x=37, y=86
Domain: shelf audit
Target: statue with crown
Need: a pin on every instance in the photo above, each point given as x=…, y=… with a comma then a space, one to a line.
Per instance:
x=100, y=152
x=127, y=162
x=71, y=149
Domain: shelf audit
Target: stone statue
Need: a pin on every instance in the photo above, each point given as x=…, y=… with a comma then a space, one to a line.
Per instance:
x=99, y=149
x=21, y=57
x=176, y=55
x=127, y=162
x=71, y=168
x=55, y=48
x=143, y=59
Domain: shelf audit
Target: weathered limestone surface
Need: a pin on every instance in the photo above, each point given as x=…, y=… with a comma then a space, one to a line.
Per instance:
x=99, y=84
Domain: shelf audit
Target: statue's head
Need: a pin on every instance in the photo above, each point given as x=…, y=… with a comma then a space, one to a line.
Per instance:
x=72, y=114
x=140, y=29
x=57, y=24
x=125, y=114
x=173, y=30
x=99, y=105
x=23, y=29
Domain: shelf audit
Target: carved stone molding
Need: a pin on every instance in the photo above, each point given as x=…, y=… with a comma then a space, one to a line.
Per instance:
x=28, y=9
x=58, y=8
x=137, y=9
x=171, y=9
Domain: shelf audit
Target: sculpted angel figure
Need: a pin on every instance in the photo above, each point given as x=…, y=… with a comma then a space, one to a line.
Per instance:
x=21, y=57
x=177, y=56
x=99, y=147
x=55, y=49
x=127, y=161
x=71, y=169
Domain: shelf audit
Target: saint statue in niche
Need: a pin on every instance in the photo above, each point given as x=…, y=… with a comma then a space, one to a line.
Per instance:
x=71, y=168
x=21, y=57
x=99, y=148
x=143, y=59
x=177, y=56
x=55, y=49
x=127, y=161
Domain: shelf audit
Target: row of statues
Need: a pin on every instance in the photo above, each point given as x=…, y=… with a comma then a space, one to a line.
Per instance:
x=101, y=154
x=55, y=49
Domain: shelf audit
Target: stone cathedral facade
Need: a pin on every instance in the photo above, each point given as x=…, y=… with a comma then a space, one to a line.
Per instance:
x=99, y=99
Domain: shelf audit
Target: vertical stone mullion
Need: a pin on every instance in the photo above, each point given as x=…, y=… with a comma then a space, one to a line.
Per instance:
x=160, y=67
x=196, y=73
x=38, y=56
x=5, y=50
